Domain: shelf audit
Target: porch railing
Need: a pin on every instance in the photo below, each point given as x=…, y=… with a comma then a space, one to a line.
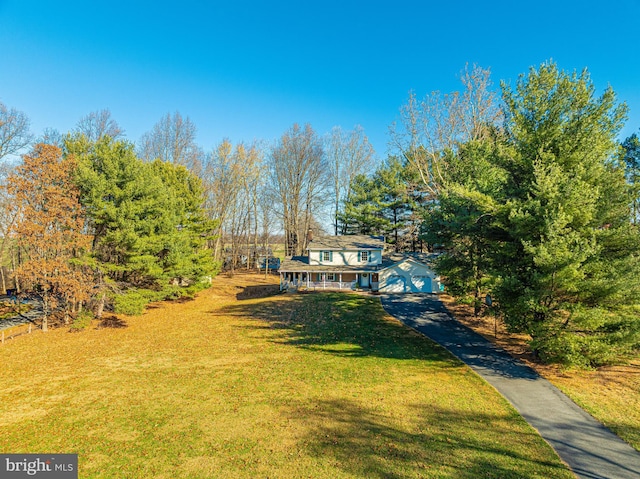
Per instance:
x=317, y=285
x=329, y=284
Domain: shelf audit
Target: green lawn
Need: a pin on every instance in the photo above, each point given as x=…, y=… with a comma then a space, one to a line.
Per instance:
x=234, y=385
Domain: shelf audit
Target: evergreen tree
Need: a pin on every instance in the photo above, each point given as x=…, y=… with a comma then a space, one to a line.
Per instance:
x=538, y=213
x=363, y=210
x=384, y=204
x=390, y=182
x=463, y=220
x=147, y=222
x=184, y=229
x=569, y=268
x=631, y=162
x=124, y=211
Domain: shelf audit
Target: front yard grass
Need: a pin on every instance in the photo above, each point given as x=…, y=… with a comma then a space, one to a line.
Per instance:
x=236, y=384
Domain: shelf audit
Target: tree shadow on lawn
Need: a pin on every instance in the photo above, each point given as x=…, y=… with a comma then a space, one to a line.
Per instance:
x=260, y=291
x=112, y=321
x=339, y=323
x=437, y=442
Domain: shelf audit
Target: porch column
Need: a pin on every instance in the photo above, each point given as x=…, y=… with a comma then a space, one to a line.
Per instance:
x=339, y=280
x=308, y=279
x=324, y=280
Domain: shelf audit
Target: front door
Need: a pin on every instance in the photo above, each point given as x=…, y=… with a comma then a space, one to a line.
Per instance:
x=364, y=280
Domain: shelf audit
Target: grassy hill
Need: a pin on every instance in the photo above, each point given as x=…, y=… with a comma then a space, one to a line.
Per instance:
x=244, y=382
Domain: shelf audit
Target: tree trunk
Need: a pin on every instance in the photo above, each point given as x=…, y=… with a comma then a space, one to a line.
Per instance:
x=45, y=318
x=13, y=267
x=248, y=243
x=4, y=283
x=395, y=229
x=100, y=308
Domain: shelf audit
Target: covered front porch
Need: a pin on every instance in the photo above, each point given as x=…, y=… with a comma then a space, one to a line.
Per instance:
x=318, y=281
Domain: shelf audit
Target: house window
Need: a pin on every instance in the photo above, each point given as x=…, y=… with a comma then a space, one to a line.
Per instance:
x=331, y=276
x=325, y=256
x=364, y=256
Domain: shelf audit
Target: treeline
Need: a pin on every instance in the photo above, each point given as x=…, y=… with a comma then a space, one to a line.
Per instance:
x=527, y=191
x=91, y=224
x=535, y=204
x=132, y=223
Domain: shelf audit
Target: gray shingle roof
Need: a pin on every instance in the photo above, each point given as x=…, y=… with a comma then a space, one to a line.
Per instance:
x=347, y=242
x=425, y=258
x=301, y=264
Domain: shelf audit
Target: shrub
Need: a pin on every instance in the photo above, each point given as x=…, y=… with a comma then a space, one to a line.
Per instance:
x=82, y=321
x=132, y=302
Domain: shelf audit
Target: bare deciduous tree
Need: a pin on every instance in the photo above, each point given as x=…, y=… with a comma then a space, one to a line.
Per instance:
x=252, y=181
x=233, y=179
x=348, y=155
x=298, y=177
x=51, y=136
x=440, y=122
x=97, y=124
x=14, y=131
x=221, y=179
x=266, y=208
x=172, y=139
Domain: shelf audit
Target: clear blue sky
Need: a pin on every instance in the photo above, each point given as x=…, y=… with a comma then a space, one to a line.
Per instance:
x=250, y=69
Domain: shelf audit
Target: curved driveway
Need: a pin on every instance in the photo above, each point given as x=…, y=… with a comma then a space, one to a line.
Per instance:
x=590, y=449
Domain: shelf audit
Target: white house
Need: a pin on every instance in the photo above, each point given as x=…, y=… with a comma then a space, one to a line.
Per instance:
x=349, y=262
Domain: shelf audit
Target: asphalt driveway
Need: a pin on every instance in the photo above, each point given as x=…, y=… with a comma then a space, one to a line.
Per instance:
x=590, y=449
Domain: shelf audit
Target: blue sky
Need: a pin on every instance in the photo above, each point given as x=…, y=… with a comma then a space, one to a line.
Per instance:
x=248, y=70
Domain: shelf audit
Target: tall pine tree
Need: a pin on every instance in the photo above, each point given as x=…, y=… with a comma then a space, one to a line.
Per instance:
x=147, y=221
x=631, y=162
x=570, y=268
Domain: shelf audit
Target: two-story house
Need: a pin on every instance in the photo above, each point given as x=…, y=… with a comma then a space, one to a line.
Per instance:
x=349, y=262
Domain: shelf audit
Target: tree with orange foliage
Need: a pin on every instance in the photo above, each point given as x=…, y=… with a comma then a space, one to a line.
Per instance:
x=50, y=229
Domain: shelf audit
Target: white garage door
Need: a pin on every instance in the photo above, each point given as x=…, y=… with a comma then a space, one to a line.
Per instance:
x=396, y=284
x=421, y=284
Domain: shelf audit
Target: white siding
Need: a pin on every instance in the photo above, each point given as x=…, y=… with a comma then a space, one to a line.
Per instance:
x=343, y=258
x=409, y=277
x=314, y=257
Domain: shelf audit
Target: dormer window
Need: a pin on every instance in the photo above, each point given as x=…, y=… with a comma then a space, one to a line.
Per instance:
x=364, y=256
x=325, y=256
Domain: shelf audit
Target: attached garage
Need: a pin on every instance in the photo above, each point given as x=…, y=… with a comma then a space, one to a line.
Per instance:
x=394, y=283
x=409, y=276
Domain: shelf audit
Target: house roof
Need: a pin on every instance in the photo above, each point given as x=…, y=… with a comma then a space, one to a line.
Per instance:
x=347, y=242
x=300, y=264
x=394, y=258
